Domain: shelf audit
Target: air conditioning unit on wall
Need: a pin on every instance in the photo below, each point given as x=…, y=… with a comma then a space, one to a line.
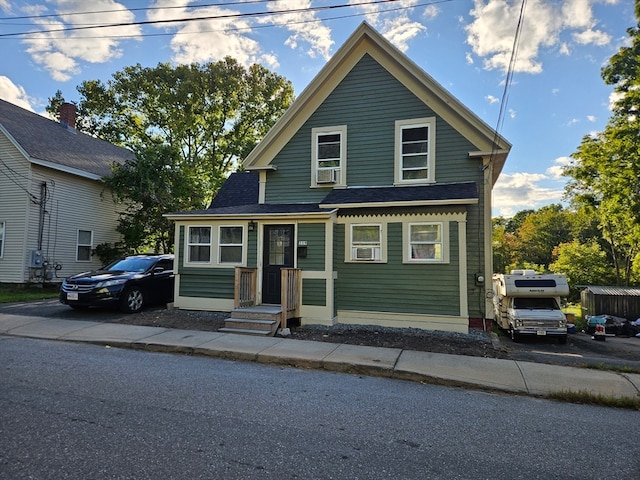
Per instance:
x=327, y=175
x=366, y=253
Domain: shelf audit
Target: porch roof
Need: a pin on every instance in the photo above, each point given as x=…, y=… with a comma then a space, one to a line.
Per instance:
x=437, y=194
x=256, y=210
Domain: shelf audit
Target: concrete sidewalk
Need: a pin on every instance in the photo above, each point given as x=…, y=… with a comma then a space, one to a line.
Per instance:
x=455, y=370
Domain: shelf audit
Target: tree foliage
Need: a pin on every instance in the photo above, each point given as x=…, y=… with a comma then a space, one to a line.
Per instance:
x=189, y=125
x=605, y=172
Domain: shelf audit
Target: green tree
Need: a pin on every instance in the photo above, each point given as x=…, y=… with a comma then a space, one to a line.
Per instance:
x=539, y=233
x=605, y=173
x=583, y=264
x=189, y=125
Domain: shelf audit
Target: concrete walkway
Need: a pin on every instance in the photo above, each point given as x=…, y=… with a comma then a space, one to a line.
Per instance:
x=455, y=370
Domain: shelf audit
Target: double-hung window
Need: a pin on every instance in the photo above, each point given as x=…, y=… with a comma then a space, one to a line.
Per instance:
x=415, y=150
x=199, y=244
x=366, y=242
x=230, y=244
x=329, y=149
x=424, y=242
x=84, y=244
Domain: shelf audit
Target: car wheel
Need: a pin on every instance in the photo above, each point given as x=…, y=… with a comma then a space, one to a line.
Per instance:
x=132, y=301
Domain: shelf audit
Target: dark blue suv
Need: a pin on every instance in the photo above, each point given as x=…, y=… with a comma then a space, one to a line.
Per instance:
x=129, y=283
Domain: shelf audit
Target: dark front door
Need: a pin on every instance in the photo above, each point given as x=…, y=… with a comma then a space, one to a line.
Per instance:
x=278, y=254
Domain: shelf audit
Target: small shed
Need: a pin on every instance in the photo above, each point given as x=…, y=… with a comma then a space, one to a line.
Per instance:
x=617, y=301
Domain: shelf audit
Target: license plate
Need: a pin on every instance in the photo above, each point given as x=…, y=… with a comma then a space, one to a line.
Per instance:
x=541, y=332
x=72, y=296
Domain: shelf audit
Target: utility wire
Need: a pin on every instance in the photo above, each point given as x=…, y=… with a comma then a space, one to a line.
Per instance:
x=192, y=19
x=508, y=78
x=253, y=27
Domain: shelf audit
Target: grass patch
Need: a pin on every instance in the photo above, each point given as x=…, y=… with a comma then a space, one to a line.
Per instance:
x=588, y=398
x=10, y=293
x=611, y=368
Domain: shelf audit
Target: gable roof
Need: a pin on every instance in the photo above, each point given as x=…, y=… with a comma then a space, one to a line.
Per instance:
x=366, y=40
x=48, y=143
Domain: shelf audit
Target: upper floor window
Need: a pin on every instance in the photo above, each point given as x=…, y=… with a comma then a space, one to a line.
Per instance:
x=199, y=244
x=415, y=150
x=84, y=244
x=329, y=155
x=230, y=244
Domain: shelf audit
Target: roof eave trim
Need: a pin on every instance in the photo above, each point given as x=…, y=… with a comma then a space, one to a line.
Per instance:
x=65, y=169
x=416, y=203
x=258, y=168
x=248, y=216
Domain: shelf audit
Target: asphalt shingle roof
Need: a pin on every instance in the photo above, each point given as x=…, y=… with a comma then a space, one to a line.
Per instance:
x=48, y=141
x=422, y=193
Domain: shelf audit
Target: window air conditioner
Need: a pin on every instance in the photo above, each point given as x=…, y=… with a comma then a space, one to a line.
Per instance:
x=366, y=253
x=326, y=175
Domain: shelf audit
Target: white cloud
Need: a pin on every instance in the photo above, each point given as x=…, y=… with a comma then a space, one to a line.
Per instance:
x=60, y=52
x=555, y=171
x=13, y=93
x=305, y=26
x=591, y=118
x=521, y=191
x=491, y=99
x=397, y=27
x=492, y=31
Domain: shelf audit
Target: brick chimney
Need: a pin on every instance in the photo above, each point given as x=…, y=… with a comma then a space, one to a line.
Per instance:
x=68, y=115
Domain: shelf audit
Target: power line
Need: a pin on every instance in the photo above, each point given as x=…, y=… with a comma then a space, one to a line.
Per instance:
x=253, y=27
x=193, y=19
x=141, y=9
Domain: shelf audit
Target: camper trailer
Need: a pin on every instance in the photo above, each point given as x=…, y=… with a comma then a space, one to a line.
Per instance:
x=527, y=304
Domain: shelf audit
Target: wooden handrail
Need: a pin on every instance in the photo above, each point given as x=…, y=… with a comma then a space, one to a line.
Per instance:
x=291, y=292
x=244, y=287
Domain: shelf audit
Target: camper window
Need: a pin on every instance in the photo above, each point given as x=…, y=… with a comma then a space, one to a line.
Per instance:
x=533, y=303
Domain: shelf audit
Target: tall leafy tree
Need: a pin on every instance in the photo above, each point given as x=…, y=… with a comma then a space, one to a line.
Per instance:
x=605, y=173
x=190, y=124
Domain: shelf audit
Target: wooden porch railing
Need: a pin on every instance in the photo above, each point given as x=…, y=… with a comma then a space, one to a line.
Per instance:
x=244, y=288
x=291, y=293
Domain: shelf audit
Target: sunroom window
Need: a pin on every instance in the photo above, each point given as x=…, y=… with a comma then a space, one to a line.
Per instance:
x=199, y=244
x=230, y=244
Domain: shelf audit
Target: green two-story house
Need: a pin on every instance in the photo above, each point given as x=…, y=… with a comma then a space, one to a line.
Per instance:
x=369, y=202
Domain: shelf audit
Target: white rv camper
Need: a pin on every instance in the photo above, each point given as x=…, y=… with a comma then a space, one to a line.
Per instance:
x=527, y=303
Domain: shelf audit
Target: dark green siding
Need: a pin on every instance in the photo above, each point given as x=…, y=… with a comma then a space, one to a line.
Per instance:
x=314, y=291
x=397, y=287
x=207, y=282
x=314, y=235
x=369, y=101
x=210, y=282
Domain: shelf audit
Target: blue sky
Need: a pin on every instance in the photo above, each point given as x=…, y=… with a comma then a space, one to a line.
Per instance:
x=556, y=95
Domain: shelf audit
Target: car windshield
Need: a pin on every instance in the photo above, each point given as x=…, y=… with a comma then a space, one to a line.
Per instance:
x=133, y=264
x=542, y=303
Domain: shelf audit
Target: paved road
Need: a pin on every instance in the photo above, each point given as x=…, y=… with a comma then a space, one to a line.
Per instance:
x=80, y=411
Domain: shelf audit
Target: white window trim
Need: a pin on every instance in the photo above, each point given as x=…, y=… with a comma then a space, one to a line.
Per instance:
x=342, y=170
x=78, y=244
x=188, y=245
x=430, y=123
x=219, y=244
x=406, y=243
x=3, y=230
x=348, y=254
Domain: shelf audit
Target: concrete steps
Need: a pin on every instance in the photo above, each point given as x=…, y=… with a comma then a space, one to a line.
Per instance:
x=262, y=320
